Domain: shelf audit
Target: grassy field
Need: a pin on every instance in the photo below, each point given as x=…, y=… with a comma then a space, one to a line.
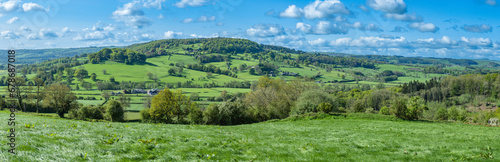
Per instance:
x=328, y=138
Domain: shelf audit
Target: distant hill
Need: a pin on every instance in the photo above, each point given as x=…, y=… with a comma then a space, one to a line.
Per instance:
x=33, y=56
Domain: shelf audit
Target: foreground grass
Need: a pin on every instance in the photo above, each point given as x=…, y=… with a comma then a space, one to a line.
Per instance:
x=332, y=138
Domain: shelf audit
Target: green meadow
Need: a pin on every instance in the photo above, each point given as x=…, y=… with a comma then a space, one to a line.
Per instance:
x=351, y=137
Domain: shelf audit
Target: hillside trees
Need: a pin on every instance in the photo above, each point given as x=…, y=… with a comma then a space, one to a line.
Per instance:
x=126, y=56
x=169, y=106
x=60, y=97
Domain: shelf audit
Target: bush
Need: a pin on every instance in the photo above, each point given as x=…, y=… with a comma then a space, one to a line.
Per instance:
x=358, y=106
x=433, y=108
x=195, y=116
x=309, y=101
x=114, y=111
x=145, y=116
x=89, y=112
x=453, y=113
x=227, y=113
x=464, y=98
x=441, y=114
x=384, y=111
x=325, y=107
x=73, y=114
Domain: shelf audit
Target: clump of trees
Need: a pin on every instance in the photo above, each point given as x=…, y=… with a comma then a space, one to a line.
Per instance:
x=126, y=56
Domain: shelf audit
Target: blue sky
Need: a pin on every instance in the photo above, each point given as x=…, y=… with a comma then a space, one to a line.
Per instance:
x=431, y=28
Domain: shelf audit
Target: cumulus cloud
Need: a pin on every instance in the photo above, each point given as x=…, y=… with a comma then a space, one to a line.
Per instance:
x=318, y=42
x=152, y=3
x=368, y=27
x=321, y=28
x=43, y=34
x=292, y=12
x=316, y=10
x=192, y=3
x=172, y=34
x=388, y=6
x=65, y=31
x=204, y=18
x=477, y=42
x=491, y=2
x=444, y=42
x=478, y=28
x=9, y=35
x=12, y=20
x=372, y=42
x=187, y=20
x=424, y=27
x=32, y=7
x=98, y=32
x=24, y=29
x=9, y=6
x=265, y=30
x=132, y=15
x=404, y=17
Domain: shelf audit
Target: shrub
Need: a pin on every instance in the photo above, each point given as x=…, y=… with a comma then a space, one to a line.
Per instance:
x=453, y=113
x=358, y=106
x=464, y=98
x=227, y=113
x=325, y=107
x=384, y=111
x=90, y=112
x=114, y=111
x=145, y=116
x=309, y=101
x=73, y=114
x=441, y=114
x=195, y=115
x=168, y=105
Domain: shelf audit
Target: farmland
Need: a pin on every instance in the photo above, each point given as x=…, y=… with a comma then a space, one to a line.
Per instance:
x=356, y=137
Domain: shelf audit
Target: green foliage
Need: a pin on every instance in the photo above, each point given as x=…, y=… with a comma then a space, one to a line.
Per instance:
x=384, y=111
x=89, y=112
x=114, y=111
x=325, y=107
x=116, y=54
x=227, y=113
x=167, y=105
x=61, y=98
x=309, y=101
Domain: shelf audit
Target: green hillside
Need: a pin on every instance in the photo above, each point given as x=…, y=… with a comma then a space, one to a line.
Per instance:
x=355, y=138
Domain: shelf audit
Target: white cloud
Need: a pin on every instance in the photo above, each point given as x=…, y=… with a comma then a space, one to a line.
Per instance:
x=160, y=16
x=324, y=9
x=65, y=31
x=204, y=18
x=24, y=28
x=491, y=2
x=172, y=34
x=9, y=6
x=318, y=42
x=316, y=10
x=265, y=30
x=94, y=36
x=292, y=12
x=478, y=28
x=187, y=20
x=475, y=42
x=132, y=15
x=9, y=35
x=424, y=27
x=192, y=3
x=12, y=20
x=388, y=6
x=369, y=27
x=404, y=17
x=43, y=34
x=152, y=3
x=32, y=7
x=444, y=42
x=321, y=28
